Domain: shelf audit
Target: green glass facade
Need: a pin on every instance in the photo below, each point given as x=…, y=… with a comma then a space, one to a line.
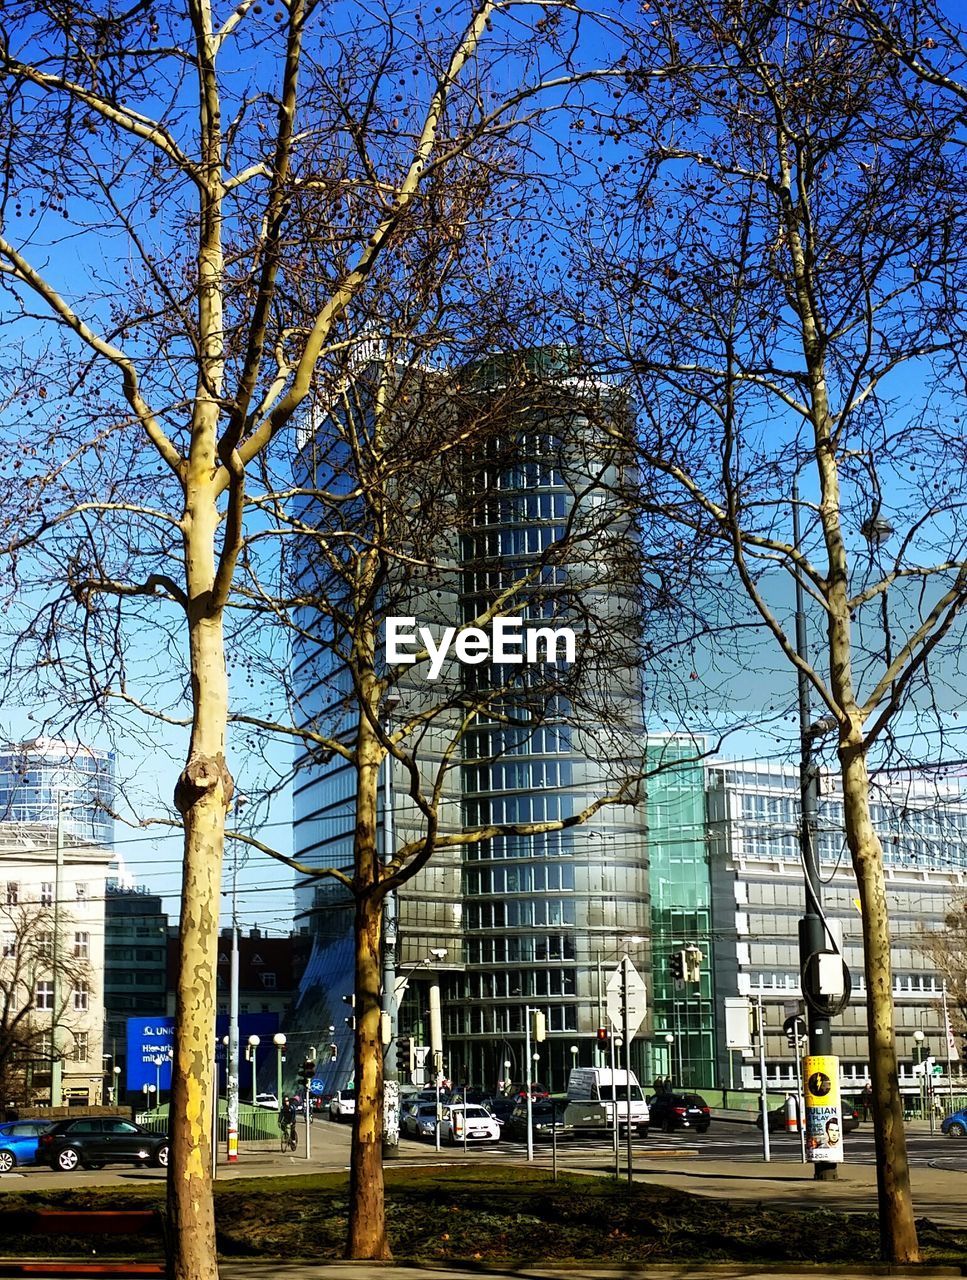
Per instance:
x=680, y=913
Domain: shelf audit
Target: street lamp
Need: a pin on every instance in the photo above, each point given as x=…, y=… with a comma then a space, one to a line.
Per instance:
x=918, y=1039
x=253, y=1044
x=159, y=1061
x=147, y=1090
x=113, y=1090
x=279, y=1041
x=507, y=1079
x=574, y=1056
x=669, y=1041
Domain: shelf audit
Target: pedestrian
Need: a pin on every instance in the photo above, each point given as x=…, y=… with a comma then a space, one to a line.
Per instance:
x=866, y=1100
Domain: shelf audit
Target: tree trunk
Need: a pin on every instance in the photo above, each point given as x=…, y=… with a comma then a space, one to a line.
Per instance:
x=367, y=1214
x=898, y=1231
x=202, y=796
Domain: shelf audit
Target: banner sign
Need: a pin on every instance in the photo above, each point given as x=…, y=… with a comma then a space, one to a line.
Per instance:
x=824, y=1124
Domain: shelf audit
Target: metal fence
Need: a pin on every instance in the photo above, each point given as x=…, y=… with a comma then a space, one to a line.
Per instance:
x=255, y=1124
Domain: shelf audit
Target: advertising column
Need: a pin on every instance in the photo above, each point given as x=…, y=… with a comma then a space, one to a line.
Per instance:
x=824, y=1126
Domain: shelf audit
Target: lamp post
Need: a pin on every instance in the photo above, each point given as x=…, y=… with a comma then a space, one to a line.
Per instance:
x=115, y=1071
x=918, y=1039
x=159, y=1061
x=253, y=1044
x=669, y=1041
x=147, y=1090
x=507, y=1079
x=279, y=1041
x=574, y=1056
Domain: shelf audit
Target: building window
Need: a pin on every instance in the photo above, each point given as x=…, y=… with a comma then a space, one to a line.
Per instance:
x=45, y=946
x=9, y=946
x=81, y=993
x=45, y=1045
x=13, y=893
x=80, y=1053
x=47, y=894
x=81, y=890
x=44, y=996
x=82, y=945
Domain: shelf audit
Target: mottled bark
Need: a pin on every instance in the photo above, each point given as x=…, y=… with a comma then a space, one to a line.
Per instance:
x=898, y=1231
x=367, y=1216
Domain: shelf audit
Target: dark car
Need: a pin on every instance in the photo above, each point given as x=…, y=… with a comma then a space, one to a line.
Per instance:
x=671, y=1111
x=546, y=1117
x=90, y=1142
x=18, y=1142
x=849, y=1115
x=502, y=1107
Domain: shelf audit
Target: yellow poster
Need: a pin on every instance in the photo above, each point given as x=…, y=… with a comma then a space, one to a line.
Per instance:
x=824, y=1125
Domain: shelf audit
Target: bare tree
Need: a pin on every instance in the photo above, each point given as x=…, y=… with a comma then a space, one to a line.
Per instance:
x=37, y=988
x=152, y=260
x=779, y=267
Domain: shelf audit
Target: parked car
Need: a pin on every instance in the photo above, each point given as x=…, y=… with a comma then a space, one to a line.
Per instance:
x=546, y=1117
x=502, y=1108
x=343, y=1105
x=418, y=1118
x=471, y=1122
x=90, y=1142
x=267, y=1100
x=18, y=1142
x=519, y=1090
x=849, y=1114
x=955, y=1125
x=671, y=1111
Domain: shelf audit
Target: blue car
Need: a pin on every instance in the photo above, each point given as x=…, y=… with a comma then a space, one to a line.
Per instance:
x=18, y=1142
x=955, y=1125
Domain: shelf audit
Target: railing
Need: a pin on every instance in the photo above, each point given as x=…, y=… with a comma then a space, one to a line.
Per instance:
x=255, y=1124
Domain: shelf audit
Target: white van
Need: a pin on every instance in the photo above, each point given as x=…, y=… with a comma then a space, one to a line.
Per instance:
x=591, y=1096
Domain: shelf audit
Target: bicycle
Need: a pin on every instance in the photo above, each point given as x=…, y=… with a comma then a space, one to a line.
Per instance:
x=288, y=1136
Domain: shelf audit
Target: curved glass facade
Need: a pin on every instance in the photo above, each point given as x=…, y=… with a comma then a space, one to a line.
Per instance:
x=527, y=920
x=34, y=775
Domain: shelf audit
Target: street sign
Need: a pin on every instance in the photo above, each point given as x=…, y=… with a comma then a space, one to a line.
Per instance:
x=637, y=998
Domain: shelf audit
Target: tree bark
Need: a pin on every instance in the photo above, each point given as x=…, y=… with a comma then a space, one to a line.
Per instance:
x=367, y=1215
x=202, y=795
x=898, y=1231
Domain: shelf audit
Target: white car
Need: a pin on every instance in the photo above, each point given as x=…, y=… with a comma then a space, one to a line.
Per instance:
x=267, y=1100
x=343, y=1105
x=472, y=1123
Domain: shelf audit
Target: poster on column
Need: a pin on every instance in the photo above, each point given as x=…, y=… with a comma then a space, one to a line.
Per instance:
x=824, y=1125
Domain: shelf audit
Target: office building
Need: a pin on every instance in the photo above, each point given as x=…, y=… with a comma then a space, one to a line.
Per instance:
x=757, y=900
x=38, y=775
x=52, y=964
x=135, y=968
x=525, y=920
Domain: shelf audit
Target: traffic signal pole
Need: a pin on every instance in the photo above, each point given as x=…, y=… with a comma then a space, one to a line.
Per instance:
x=812, y=931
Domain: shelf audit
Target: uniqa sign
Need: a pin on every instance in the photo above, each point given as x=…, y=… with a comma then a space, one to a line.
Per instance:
x=506, y=642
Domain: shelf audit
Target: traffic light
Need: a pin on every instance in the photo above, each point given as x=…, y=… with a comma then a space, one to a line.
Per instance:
x=603, y=1037
x=405, y=1055
x=538, y=1026
x=306, y=1072
x=676, y=962
x=333, y=1052
x=693, y=957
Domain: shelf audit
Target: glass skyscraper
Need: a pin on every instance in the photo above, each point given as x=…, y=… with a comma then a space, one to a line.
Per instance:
x=37, y=774
x=527, y=920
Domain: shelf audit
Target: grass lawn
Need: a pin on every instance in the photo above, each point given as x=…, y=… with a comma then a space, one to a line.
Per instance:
x=492, y=1215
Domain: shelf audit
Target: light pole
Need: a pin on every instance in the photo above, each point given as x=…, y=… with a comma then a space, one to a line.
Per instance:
x=574, y=1056
x=507, y=1080
x=918, y=1039
x=159, y=1062
x=147, y=1090
x=669, y=1041
x=115, y=1071
x=253, y=1044
x=279, y=1041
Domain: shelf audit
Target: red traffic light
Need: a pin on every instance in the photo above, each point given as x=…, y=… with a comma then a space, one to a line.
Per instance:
x=602, y=1034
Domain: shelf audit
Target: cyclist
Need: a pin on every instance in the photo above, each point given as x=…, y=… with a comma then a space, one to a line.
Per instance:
x=287, y=1116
